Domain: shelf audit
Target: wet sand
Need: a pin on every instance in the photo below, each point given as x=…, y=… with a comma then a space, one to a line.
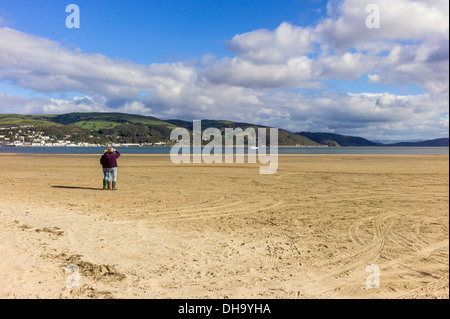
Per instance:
x=225, y=231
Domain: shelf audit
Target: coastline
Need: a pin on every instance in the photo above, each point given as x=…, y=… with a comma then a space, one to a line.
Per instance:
x=281, y=150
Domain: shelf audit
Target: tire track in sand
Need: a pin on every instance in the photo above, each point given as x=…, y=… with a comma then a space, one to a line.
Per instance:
x=212, y=212
x=383, y=228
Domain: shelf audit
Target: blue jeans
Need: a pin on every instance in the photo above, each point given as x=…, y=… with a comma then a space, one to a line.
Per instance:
x=105, y=174
x=112, y=172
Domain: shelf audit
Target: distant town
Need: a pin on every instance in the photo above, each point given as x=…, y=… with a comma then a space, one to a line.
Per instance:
x=27, y=136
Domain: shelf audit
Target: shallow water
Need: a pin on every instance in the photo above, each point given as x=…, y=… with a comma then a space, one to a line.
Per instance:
x=281, y=150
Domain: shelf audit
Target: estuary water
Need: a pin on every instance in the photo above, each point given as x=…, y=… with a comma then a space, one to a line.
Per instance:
x=281, y=150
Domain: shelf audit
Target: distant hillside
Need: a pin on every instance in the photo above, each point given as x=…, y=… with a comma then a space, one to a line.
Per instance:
x=336, y=140
x=97, y=128
x=439, y=142
x=284, y=137
x=101, y=128
x=16, y=119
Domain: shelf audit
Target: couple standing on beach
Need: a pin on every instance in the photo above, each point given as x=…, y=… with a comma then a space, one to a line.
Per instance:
x=109, y=164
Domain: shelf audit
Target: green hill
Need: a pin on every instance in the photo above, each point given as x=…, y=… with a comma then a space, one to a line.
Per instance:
x=106, y=120
x=439, y=142
x=16, y=119
x=336, y=140
x=126, y=128
x=285, y=138
x=95, y=127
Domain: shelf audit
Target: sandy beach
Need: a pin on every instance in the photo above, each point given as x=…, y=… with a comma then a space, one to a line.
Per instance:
x=224, y=230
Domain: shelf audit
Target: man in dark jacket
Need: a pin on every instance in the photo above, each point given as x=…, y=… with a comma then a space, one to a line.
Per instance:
x=111, y=162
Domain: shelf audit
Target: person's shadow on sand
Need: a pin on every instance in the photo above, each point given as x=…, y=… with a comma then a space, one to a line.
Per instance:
x=76, y=187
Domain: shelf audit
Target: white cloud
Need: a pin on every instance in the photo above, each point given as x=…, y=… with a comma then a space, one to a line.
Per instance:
x=42, y=105
x=272, y=47
x=295, y=72
x=46, y=66
x=346, y=66
x=400, y=19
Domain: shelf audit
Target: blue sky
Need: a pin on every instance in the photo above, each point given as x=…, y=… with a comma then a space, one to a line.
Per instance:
x=299, y=65
x=157, y=31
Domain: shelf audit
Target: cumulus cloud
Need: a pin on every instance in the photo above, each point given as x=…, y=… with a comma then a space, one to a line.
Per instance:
x=423, y=64
x=267, y=80
x=381, y=114
x=295, y=72
x=47, y=66
x=273, y=47
x=43, y=105
x=400, y=19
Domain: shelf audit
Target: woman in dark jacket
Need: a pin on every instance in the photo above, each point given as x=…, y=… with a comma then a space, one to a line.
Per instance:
x=104, y=163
